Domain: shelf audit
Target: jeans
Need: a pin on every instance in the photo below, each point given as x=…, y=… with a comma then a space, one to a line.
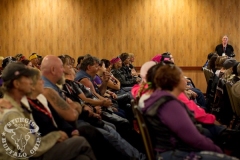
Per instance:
x=75, y=148
x=116, y=141
x=212, y=131
x=120, y=144
x=200, y=97
x=203, y=155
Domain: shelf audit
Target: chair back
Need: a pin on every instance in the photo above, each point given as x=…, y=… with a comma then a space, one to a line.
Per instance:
x=236, y=103
x=205, y=74
x=144, y=131
x=229, y=86
x=209, y=74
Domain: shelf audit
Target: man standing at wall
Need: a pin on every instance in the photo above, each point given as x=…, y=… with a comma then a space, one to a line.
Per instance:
x=225, y=48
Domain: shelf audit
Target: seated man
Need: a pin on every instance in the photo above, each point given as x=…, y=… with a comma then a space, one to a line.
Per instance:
x=89, y=69
x=80, y=93
x=18, y=83
x=53, y=70
x=43, y=113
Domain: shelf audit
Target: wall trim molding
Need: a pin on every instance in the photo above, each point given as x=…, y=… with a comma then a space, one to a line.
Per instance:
x=189, y=68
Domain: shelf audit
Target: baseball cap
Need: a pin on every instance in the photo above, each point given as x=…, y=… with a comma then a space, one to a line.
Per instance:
x=16, y=70
x=229, y=63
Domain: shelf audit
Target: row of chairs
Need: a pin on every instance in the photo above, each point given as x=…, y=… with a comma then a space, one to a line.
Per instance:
x=234, y=101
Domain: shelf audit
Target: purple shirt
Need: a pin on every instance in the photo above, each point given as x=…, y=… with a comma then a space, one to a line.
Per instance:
x=175, y=117
x=1, y=81
x=97, y=80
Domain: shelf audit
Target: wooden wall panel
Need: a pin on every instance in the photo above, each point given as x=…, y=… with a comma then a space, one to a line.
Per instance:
x=189, y=29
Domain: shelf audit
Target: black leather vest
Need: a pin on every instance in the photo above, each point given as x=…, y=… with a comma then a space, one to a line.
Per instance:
x=162, y=137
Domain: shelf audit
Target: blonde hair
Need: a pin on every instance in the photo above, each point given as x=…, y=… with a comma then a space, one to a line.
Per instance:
x=36, y=76
x=228, y=74
x=219, y=61
x=131, y=54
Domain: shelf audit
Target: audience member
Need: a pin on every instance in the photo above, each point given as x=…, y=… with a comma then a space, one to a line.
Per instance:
x=228, y=65
x=219, y=65
x=208, y=58
x=52, y=73
x=123, y=75
x=113, y=83
x=27, y=62
x=211, y=63
x=34, y=59
x=131, y=60
x=19, y=57
x=78, y=91
x=79, y=61
x=17, y=84
x=49, y=121
x=170, y=122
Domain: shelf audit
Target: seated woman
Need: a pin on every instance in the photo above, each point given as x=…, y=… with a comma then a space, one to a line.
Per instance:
x=122, y=97
x=122, y=74
x=113, y=83
x=219, y=65
x=170, y=122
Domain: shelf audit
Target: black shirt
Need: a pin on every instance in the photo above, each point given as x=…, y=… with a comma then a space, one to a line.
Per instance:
x=45, y=123
x=228, y=50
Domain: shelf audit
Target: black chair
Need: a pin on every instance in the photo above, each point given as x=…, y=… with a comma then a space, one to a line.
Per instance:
x=144, y=131
x=208, y=74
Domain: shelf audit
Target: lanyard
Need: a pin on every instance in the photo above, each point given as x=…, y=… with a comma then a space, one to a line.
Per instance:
x=224, y=49
x=43, y=110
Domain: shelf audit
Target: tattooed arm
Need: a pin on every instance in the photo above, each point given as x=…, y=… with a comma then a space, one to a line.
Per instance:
x=62, y=107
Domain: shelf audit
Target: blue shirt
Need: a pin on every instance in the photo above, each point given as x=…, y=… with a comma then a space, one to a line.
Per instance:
x=82, y=74
x=49, y=84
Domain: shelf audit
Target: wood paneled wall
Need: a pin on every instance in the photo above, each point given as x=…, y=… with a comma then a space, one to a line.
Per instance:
x=189, y=29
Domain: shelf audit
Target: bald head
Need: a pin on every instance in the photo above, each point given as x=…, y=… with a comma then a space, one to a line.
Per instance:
x=52, y=68
x=50, y=61
x=225, y=39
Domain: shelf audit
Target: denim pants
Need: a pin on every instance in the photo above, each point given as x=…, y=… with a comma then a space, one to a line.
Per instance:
x=212, y=131
x=114, y=138
x=200, y=98
x=203, y=155
x=120, y=144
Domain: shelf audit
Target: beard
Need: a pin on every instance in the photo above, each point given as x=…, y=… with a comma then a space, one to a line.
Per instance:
x=61, y=81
